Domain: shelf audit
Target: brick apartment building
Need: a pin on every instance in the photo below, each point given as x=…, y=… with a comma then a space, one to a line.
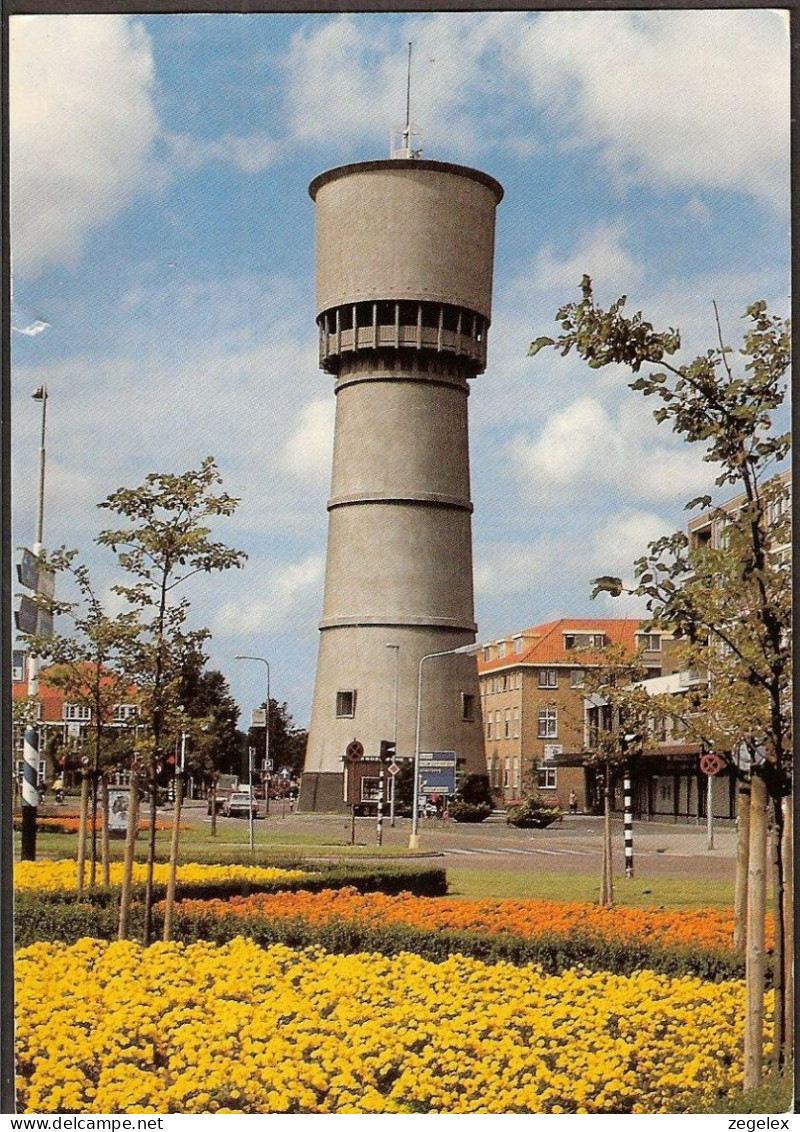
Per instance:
x=532, y=699
x=64, y=725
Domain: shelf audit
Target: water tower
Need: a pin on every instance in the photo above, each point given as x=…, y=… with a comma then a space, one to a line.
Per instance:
x=405, y=250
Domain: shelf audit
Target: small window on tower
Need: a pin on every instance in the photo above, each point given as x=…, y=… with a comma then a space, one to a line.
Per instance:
x=468, y=707
x=345, y=705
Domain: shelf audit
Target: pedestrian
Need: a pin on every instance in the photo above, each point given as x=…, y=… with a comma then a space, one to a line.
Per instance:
x=573, y=802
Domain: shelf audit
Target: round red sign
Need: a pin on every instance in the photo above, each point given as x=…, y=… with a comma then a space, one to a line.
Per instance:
x=711, y=764
x=355, y=750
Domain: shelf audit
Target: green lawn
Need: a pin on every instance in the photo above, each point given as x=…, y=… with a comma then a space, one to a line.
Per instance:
x=277, y=847
x=653, y=892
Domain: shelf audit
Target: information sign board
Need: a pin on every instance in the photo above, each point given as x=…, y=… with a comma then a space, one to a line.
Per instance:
x=437, y=772
x=117, y=809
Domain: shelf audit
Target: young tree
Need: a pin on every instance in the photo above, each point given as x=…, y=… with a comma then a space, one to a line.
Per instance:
x=287, y=743
x=621, y=712
x=206, y=699
x=84, y=666
x=164, y=542
x=729, y=603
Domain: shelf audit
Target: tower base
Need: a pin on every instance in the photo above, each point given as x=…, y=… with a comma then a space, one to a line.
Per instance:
x=321, y=793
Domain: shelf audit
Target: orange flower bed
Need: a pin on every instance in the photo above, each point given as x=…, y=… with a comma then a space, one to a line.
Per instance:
x=702, y=928
x=72, y=825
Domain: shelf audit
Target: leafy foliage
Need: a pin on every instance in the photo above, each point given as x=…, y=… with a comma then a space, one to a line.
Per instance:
x=287, y=743
x=729, y=602
x=468, y=811
x=534, y=812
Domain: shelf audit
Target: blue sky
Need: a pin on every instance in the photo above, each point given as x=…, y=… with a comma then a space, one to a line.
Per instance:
x=161, y=226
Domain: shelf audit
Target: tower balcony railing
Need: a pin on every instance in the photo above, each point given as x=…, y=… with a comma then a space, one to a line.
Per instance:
x=432, y=327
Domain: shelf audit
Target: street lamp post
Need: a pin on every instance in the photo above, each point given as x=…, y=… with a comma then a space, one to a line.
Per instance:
x=413, y=841
x=263, y=660
x=33, y=734
x=394, y=731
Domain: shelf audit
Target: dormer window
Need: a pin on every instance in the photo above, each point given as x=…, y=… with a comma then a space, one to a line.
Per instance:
x=584, y=640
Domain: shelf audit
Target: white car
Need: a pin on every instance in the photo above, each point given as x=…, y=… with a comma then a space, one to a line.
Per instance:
x=239, y=804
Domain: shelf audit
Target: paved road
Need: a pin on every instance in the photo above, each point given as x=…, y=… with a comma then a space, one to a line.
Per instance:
x=574, y=845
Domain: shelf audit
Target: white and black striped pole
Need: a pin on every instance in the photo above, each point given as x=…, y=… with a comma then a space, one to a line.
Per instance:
x=381, y=781
x=30, y=793
x=626, y=785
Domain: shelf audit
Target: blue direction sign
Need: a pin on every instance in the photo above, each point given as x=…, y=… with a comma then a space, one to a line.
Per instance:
x=31, y=575
x=437, y=772
x=27, y=568
x=26, y=614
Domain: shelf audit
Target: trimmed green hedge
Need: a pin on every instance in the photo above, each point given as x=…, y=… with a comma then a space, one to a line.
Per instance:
x=390, y=880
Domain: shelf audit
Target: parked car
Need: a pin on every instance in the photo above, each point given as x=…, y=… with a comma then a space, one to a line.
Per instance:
x=239, y=804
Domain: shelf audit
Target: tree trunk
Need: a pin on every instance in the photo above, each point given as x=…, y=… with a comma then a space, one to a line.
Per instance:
x=742, y=854
x=131, y=832
x=104, y=845
x=788, y=921
x=173, y=859
x=607, y=887
x=82, y=830
x=214, y=809
x=779, y=1023
x=151, y=856
x=754, y=961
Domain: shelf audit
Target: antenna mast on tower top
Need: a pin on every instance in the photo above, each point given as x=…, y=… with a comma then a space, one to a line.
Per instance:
x=402, y=140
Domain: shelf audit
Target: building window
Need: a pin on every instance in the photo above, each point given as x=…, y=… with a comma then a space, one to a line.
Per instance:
x=519, y=681
x=519, y=644
x=497, y=725
x=489, y=726
x=503, y=682
x=649, y=642
x=487, y=654
x=507, y=731
x=584, y=640
x=501, y=649
x=345, y=705
x=547, y=778
x=124, y=711
x=516, y=775
x=577, y=677
x=548, y=723
x=548, y=678
x=506, y=773
x=468, y=707
x=77, y=713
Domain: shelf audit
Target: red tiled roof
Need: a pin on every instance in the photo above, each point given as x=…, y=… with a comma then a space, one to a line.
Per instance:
x=52, y=698
x=547, y=647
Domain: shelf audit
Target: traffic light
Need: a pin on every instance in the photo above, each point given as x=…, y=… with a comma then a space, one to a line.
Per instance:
x=388, y=748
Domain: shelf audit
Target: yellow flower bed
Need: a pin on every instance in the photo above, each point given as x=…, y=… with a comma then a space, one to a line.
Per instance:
x=62, y=876
x=112, y=1027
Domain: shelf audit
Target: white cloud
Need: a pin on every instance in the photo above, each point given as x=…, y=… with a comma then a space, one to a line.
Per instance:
x=599, y=253
x=308, y=450
x=698, y=211
x=82, y=126
x=359, y=80
x=251, y=154
x=288, y=592
x=694, y=98
x=587, y=448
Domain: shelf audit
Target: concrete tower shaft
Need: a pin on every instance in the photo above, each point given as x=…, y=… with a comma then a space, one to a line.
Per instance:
x=404, y=275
